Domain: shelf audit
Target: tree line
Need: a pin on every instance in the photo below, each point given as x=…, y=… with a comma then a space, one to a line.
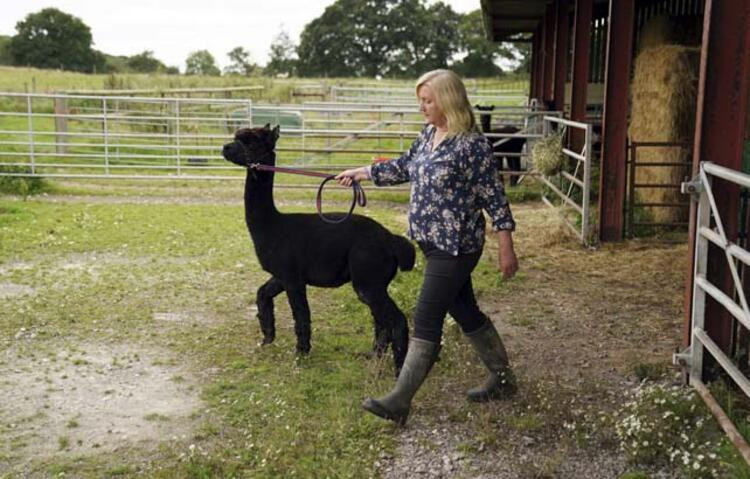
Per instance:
x=387, y=38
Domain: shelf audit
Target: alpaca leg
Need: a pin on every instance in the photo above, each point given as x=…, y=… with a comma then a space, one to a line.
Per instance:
x=264, y=301
x=382, y=336
x=390, y=323
x=399, y=333
x=297, y=296
x=514, y=164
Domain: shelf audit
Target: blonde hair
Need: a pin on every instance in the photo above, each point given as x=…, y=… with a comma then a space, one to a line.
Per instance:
x=451, y=98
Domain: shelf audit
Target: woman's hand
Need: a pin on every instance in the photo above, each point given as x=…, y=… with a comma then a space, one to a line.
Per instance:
x=507, y=262
x=346, y=177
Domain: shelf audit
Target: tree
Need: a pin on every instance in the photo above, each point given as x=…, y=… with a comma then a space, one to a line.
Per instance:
x=5, y=57
x=479, y=53
x=51, y=38
x=241, y=63
x=522, y=54
x=424, y=38
x=378, y=37
x=282, y=59
x=201, y=62
x=145, y=62
x=351, y=38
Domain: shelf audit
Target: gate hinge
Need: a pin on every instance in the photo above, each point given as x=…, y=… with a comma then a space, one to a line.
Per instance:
x=683, y=359
x=692, y=187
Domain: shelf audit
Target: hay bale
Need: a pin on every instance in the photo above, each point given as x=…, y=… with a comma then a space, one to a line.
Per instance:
x=656, y=31
x=547, y=154
x=664, y=93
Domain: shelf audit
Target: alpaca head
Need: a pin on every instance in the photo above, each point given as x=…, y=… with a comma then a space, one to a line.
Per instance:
x=252, y=145
x=485, y=119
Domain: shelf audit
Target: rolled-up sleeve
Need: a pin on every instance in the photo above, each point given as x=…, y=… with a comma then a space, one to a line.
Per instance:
x=489, y=188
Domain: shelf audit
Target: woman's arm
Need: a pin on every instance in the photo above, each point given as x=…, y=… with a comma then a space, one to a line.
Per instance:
x=507, y=262
x=346, y=177
x=492, y=197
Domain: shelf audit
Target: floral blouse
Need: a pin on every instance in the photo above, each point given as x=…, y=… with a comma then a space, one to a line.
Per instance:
x=449, y=189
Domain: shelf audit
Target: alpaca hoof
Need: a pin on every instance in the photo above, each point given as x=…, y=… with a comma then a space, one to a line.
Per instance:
x=267, y=340
x=303, y=350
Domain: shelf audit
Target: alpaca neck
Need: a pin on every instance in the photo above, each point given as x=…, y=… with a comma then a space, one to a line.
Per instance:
x=259, y=205
x=485, y=119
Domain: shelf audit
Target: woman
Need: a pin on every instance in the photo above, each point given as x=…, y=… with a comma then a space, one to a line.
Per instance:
x=453, y=178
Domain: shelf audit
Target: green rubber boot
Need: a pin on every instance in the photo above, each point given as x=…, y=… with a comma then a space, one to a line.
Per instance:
x=396, y=404
x=501, y=382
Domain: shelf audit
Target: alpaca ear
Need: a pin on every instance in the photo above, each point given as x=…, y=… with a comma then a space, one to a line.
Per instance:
x=267, y=126
x=275, y=132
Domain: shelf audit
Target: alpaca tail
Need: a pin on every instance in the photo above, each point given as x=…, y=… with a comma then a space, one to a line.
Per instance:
x=404, y=251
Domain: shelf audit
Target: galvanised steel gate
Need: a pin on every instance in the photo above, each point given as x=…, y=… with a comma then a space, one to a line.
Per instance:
x=692, y=359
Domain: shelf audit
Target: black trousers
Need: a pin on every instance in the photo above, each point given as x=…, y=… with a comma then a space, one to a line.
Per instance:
x=446, y=288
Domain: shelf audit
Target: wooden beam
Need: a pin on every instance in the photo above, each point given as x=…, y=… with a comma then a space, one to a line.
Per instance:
x=580, y=81
x=615, y=123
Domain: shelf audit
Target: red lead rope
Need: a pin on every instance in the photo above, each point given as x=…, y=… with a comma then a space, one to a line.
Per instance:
x=358, y=193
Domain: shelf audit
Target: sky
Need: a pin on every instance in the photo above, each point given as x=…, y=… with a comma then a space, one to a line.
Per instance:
x=173, y=29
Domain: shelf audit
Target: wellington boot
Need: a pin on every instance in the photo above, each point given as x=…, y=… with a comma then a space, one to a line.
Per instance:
x=501, y=382
x=395, y=405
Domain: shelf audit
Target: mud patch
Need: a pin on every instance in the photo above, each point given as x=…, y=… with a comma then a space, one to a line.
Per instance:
x=99, y=398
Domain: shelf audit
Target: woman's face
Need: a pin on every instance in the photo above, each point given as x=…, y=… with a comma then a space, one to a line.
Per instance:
x=428, y=107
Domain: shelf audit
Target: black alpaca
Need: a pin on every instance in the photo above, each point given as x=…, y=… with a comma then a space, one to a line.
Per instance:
x=301, y=249
x=511, y=145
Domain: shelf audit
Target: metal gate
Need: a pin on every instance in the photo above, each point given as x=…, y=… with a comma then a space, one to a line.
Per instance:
x=576, y=172
x=692, y=359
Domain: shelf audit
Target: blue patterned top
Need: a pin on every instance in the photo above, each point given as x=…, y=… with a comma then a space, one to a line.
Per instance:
x=449, y=189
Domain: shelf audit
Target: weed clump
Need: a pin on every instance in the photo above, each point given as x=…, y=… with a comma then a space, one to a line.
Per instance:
x=20, y=185
x=669, y=426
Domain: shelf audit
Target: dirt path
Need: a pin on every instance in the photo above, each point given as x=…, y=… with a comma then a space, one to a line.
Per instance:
x=575, y=330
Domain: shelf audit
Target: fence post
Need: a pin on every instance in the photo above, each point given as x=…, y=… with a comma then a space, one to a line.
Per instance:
x=61, y=124
x=31, y=134
x=700, y=268
x=631, y=191
x=177, y=133
x=586, y=185
x=105, y=127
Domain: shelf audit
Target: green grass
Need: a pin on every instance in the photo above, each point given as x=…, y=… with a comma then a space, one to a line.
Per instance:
x=109, y=267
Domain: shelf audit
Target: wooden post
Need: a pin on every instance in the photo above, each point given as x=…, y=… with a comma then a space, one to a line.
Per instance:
x=580, y=81
x=562, y=35
x=719, y=136
x=615, y=124
x=549, y=57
